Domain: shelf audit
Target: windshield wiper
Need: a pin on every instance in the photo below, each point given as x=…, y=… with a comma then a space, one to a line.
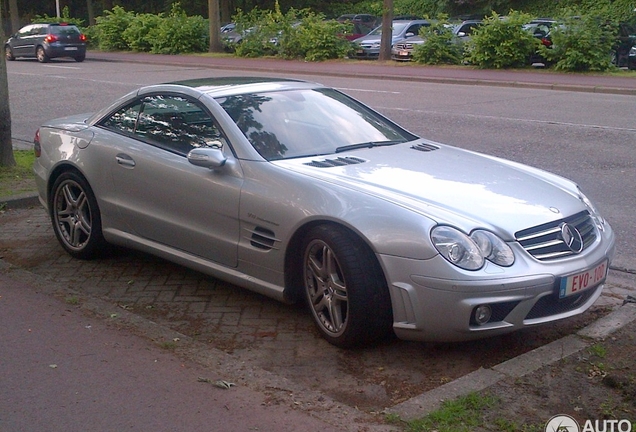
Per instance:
x=369, y=144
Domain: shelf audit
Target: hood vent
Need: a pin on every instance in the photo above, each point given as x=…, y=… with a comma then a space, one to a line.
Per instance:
x=341, y=161
x=425, y=147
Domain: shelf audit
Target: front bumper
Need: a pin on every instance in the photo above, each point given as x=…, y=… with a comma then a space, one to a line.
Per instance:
x=430, y=304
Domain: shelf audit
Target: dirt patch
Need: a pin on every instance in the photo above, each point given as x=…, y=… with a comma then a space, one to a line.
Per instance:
x=596, y=384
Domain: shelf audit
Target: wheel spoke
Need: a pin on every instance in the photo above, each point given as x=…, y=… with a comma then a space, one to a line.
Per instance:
x=325, y=287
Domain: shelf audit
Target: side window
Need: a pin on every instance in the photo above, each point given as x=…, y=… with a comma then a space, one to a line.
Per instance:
x=26, y=31
x=177, y=124
x=124, y=120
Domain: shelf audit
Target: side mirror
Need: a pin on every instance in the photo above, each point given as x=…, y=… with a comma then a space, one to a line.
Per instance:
x=207, y=157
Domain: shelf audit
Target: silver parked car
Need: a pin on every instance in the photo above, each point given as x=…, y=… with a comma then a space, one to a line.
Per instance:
x=368, y=46
x=296, y=190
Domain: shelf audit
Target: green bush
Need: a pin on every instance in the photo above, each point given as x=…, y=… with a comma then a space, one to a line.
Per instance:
x=502, y=42
x=139, y=34
x=64, y=18
x=440, y=46
x=315, y=39
x=110, y=28
x=581, y=44
x=262, y=30
x=178, y=33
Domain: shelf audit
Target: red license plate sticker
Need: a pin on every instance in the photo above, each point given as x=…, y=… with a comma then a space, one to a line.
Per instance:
x=581, y=281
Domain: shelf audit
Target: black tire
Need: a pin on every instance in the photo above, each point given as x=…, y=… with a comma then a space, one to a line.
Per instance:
x=75, y=216
x=40, y=54
x=345, y=287
x=8, y=53
x=80, y=59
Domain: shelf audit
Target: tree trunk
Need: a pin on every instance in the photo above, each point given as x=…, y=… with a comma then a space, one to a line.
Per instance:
x=91, y=12
x=6, y=145
x=15, y=17
x=215, y=26
x=387, y=30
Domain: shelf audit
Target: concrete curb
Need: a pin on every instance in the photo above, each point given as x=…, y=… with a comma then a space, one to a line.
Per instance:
x=517, y=367
x=19, y=201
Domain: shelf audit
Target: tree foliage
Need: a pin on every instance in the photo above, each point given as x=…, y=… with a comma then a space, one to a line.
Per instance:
x=581, y=44
x=440, y=46
x=502, y=42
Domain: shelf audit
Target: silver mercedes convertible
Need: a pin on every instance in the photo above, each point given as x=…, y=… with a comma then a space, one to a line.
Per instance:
x=297, y=191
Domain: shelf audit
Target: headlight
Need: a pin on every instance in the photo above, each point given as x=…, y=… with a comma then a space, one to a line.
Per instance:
x=471, y=252
x=457, y=248
x=596, y=216
x=493, y=248
x=632, y=51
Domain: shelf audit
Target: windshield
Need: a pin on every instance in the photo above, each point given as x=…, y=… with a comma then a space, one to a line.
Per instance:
x=297, y=123
x=397, y=29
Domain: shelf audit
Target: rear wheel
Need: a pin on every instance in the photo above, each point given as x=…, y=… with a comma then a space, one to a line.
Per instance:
x=80, y=59
x=8, y=53
x=41, y=55
x=75, y=216
x=345, y=287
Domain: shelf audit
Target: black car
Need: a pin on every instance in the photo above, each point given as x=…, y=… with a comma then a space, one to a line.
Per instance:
x=624, y=49
x=45, y=41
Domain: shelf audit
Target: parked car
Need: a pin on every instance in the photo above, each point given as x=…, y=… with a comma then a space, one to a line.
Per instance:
x=296, y=190
x=368, y=47
x=403, y=50
x=623, y=51
x=361, y=24
x=541, y=29
x=45, y=41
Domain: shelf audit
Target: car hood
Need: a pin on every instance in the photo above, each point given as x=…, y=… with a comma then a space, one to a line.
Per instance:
x=450, y=185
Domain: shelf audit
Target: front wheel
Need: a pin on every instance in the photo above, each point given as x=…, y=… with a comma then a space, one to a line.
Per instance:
x=345, y=287
x=40, y=54
x=75, y=216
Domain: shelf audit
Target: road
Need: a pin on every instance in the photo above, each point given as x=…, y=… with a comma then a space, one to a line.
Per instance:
x=584, y=136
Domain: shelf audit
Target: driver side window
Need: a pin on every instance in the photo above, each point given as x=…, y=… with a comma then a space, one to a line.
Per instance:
x=172, y=122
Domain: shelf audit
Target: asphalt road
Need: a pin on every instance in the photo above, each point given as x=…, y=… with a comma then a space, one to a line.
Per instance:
x=588, y=137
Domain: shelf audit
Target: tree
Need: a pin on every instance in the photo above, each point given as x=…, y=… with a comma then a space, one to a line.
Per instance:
x=387, y=30
x=15, y=16
x=6, y=145
x=215, y=26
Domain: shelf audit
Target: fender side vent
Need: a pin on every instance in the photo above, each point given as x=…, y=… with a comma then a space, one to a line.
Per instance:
x=341, y=161
x=262, y=238
x=425, y=147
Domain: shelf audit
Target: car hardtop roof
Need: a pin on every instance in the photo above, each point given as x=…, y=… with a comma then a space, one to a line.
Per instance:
x=227, y=86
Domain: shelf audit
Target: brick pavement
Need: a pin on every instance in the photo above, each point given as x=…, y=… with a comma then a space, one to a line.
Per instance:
x=260, y=332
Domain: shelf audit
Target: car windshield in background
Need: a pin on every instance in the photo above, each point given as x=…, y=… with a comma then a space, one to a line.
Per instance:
x=396, y=29
x=300, y=123
x=64, y=30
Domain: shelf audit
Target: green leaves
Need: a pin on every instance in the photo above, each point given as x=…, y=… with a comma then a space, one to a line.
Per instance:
x=502, y=42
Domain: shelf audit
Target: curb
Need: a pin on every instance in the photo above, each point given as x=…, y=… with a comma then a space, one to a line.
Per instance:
x=19, y=201
x=421, y=405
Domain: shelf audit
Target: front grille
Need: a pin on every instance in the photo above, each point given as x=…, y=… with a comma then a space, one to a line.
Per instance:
x=545, y=242
x=552, y=305
x=340, y=161
x=404, y=46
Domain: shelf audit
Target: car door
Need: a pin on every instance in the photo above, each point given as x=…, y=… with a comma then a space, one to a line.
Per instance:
x=22, y=43
x=160, y=195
